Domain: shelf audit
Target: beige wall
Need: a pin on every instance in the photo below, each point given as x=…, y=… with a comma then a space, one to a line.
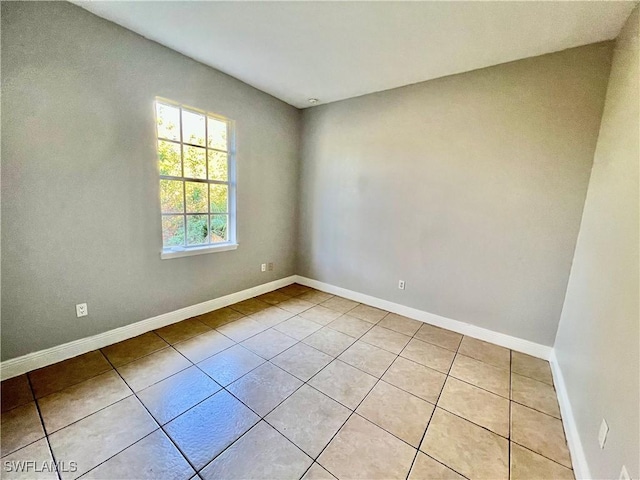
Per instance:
x=80, y=193
x=470, y=188
x=598, y=340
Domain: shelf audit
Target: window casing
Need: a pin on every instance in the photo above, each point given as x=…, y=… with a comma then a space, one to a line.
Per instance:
x=196, y=161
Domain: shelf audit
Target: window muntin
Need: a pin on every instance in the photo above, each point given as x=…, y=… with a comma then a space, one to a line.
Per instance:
x=197, y=188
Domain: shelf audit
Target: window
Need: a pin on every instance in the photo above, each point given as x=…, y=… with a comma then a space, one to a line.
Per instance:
x=197, y=180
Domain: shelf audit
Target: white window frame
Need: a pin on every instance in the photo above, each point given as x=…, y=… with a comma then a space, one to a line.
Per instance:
x=231, y=243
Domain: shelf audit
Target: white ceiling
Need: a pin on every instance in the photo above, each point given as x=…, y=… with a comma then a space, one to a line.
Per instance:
x=337, y=50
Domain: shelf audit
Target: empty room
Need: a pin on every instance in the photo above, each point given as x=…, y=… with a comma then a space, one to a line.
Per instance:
x=320, y=240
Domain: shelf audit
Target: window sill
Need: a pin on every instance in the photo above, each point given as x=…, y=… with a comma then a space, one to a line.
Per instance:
x=187, y=252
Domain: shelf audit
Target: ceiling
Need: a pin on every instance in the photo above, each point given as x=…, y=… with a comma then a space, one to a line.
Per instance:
x=336, y=50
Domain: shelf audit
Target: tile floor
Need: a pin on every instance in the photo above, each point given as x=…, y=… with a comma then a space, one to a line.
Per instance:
x=292, y=384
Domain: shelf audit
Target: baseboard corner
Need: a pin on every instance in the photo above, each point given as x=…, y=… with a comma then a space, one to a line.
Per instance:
x=578, y=457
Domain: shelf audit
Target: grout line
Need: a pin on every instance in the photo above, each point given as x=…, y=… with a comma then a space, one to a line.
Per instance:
x=152, y=418
x=434, y=412
x=44, y=429
x=543, y=456
x=510, y=423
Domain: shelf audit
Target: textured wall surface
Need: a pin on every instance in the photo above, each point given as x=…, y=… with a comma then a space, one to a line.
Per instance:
x=470, y=188
x=598, y=342
x=80, y=190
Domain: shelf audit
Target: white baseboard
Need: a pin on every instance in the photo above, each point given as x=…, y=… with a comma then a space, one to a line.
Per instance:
x=31, y=361
x=514, y=343
x=578, y=457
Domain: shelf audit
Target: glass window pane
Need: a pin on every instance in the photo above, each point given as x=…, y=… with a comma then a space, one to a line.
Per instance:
x=169, y=157
x=196, y=194
x=195, y=162
x=168, y=119
x=197, y=229
x=219, y=198
x=218, y=169
x=172, y=230
x=171, y=198
x=219, y=230
x=192, y=127
x=217, y=130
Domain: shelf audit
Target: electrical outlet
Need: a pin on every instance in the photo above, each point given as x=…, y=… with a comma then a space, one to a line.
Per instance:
x=401, y=284
x=263, y=267
x=624, y=474
x=82, y=310
x=271, y=266
x=602, y=434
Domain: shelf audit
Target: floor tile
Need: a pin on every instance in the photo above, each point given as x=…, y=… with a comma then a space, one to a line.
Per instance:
x=269, y=343
x=387, y=339
x=264, y=388
x=426, y=468
x=537, y=395
x=298, y=327
x=344, y=383
x=203, y=346
x=261, y=453
x=439, y=336
x=539, y=432
x=361, y=450
x=153, y=368
x=428, y=355
x=230, y=364
x=400, y=324
x=485, y=352
x=129, y=350
x=527, y=465
x=476, y=405
x=20, y=427
x=329, y=341
x=368, y=358
x=273, y=298
x=271, y=316
x=294, y=289
x=220, y=317
x=250, y=306
x=295, y=305
x=532, y=367
x=69, y=372
x=175, y=395
x=288, y=337
x=242, y=329
x=416, y=379
x=321, y=315
x=81, y=400
x=398, y=412
x=15, y=466
x=211, y=426
x=302, y=361
x=98, y=437
x=316, y=472
x=368, y=314
x=153, y=457
x=177, y=332
x=481, y=374
x=466, y=447
x=315, y=297
x=354, y=327
x=15, y=392
x=339, y=304
x=309, y=419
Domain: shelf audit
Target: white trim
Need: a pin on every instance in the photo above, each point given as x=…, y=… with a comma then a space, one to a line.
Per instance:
x=514, y=343
x=187, y=252
x=31, y=361
x=578, y=457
